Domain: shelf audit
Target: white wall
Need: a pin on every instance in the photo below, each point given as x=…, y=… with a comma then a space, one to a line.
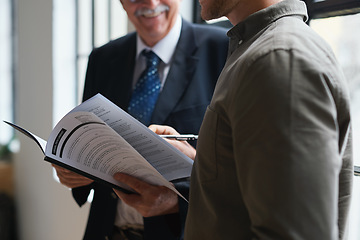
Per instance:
x=46, y=210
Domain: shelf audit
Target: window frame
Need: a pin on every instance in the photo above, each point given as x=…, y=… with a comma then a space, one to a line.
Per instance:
x=12, y=73
x=316, y=9
x=331, y=8
x=197, y=16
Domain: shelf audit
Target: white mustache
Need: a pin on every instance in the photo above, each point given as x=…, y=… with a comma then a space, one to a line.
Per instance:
x=147, y=11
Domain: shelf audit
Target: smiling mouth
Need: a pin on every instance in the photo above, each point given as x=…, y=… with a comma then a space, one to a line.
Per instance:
x=151, y=13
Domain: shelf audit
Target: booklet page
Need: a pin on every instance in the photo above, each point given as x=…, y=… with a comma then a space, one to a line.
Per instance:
x=171, y=163
x=39, y=141
x=84, y=142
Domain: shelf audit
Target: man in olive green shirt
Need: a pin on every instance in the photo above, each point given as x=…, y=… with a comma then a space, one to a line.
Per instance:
x=274, y=156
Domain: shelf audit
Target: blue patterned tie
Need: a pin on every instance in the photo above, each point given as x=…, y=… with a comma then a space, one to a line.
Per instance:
x=146, y=90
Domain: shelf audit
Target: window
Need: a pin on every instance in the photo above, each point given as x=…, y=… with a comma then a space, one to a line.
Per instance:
x=98, y=22
x=331, y=8
x=343, y=33
x=337, y=21
x=6, y=69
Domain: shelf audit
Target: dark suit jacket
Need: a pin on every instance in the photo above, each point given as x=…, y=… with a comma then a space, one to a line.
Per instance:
x=198, y=60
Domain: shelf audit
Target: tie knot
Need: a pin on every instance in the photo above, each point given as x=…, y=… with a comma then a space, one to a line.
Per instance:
x=151, y=58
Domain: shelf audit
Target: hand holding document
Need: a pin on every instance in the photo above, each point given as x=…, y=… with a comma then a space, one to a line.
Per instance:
x=151, y=200
x=97, y=139
x=174, y=138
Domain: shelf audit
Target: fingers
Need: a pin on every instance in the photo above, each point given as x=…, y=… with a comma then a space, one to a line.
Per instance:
x=149, y=200
x=184, y=147
x=163, y=130
x=134, y=183
x=71, y=179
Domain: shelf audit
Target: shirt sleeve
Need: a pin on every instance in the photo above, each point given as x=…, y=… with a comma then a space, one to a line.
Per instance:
x=288, y=164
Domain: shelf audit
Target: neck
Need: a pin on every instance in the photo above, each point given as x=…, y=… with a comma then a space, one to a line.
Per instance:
x=245, y=8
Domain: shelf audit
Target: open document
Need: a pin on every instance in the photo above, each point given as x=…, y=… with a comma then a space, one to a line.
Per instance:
x=98, y=139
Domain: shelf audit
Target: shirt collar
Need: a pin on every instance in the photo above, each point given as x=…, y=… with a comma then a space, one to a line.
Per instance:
x=165, y=48
x=259, y=20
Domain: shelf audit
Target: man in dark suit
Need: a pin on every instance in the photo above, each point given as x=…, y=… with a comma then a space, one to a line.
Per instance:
x=192, y=57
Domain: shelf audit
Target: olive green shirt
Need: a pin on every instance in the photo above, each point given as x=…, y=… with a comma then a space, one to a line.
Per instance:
x=274, y=154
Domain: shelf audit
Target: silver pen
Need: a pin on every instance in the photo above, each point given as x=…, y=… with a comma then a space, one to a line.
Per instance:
x=185, y=137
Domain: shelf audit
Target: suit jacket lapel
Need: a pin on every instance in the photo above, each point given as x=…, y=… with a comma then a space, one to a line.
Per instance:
x=180, y=75
x=123, y=76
